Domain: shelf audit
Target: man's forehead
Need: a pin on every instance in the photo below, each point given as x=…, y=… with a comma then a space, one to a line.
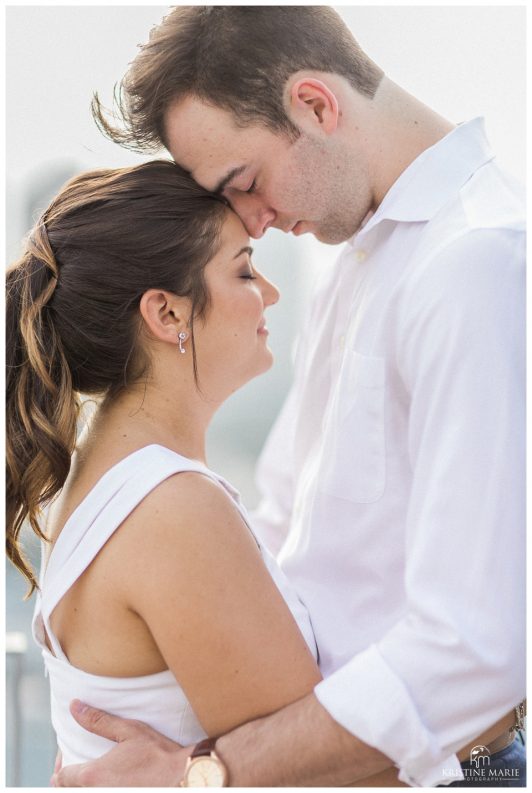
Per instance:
x=206, y=149
x=197, y=129
x=205, y=142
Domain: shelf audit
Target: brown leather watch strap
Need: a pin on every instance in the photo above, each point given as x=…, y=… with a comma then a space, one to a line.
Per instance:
x=203, y=748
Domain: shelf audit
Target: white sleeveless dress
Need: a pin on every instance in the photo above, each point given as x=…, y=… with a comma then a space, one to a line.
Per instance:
x=156, y=699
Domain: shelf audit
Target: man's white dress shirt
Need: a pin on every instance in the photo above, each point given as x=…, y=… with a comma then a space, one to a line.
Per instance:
x=394, y=476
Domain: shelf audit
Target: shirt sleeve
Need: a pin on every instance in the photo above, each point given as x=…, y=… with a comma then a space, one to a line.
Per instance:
x=454, y=664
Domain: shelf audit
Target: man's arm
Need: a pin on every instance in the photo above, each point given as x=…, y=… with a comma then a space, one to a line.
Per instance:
x=303, y=746
x=300, y=746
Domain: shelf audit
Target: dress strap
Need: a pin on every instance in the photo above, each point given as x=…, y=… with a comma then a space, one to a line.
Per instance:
x=97, y=517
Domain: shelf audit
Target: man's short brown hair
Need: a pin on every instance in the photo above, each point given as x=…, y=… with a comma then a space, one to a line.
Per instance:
x=237, y=58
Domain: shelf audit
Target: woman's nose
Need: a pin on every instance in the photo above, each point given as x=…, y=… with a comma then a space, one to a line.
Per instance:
x=270, y=293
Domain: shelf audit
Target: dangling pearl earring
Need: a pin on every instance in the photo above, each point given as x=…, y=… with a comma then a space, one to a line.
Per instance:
x=181, y=336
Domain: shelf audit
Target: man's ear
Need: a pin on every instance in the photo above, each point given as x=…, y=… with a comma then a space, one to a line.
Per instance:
x=165, y=315
x=312, y=105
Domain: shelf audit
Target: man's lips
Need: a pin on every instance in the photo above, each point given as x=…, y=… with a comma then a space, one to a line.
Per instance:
x=262, y=328
x=298, y=228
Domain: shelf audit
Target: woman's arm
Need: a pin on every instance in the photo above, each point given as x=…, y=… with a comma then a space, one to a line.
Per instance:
x=196, y=577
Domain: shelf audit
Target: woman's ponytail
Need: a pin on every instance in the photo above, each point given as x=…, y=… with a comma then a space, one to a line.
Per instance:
x=42, y=407
x=73, y=319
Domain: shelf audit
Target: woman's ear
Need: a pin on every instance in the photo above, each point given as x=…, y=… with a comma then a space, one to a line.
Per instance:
x=312, y=105
x=164, y=314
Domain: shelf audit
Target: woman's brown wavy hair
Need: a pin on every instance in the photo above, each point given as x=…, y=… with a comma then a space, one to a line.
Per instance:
x=72, y=311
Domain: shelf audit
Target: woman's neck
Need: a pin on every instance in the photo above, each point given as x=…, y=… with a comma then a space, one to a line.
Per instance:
x=144, y=415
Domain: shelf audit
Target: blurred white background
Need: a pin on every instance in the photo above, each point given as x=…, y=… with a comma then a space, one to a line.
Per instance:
x=462, y=61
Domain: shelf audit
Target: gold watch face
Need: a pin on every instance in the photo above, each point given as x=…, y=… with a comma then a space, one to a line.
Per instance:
x=205, y=772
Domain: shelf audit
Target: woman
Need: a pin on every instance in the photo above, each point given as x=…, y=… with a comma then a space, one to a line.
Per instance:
x=155, y=599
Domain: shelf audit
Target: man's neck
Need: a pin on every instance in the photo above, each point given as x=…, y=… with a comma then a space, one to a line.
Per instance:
x=398, y=129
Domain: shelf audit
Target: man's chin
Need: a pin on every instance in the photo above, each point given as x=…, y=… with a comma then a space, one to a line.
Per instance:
x=330, y=237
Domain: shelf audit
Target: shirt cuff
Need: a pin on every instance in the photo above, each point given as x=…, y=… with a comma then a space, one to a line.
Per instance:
x=368, y=699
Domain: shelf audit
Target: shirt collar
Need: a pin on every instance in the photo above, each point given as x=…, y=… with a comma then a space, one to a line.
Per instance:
x=432, y=179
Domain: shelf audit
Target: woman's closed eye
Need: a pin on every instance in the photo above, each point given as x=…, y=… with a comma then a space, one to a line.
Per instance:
x=252, y=187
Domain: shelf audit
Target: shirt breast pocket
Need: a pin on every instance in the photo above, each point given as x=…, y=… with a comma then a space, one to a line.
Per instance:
x=353, y=465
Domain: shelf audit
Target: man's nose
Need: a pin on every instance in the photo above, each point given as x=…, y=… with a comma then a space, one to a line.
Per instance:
x=255, y=216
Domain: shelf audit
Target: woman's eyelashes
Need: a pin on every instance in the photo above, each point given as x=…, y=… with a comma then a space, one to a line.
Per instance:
x=248, y=273
x=252, y=187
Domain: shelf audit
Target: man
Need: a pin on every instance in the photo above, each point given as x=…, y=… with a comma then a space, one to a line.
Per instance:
x=393, y=479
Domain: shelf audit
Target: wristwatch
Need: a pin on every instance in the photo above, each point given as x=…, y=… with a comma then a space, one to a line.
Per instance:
x=204, y=768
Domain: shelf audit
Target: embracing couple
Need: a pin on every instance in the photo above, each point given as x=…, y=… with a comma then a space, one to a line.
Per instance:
x=366, y=626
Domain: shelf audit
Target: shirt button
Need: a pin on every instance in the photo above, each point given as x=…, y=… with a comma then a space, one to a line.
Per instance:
x=361, y=255
x=342, y=342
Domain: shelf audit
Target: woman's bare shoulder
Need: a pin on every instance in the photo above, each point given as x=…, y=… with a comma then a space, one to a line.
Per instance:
x=187, y=498
x=186, y=511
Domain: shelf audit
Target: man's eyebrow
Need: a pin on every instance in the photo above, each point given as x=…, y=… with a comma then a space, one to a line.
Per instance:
x=222, y=184
x=245, y=249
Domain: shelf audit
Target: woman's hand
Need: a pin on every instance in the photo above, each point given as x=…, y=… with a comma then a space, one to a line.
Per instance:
x=141, y=758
